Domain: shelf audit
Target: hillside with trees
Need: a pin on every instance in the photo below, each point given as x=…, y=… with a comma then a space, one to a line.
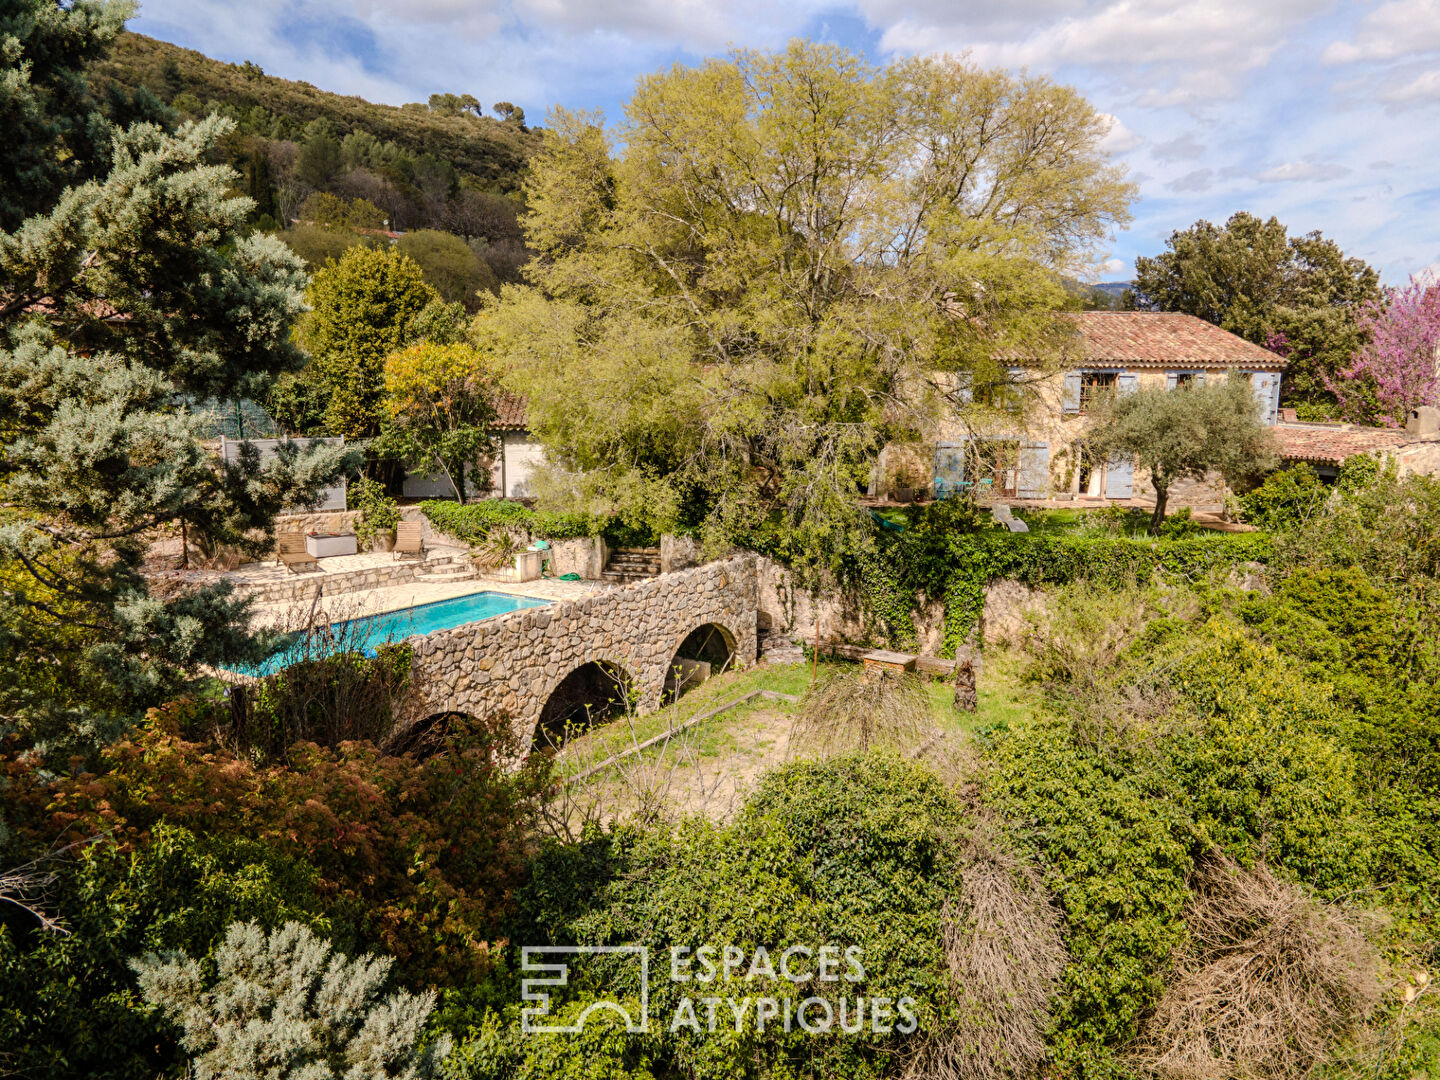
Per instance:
x=441, y=166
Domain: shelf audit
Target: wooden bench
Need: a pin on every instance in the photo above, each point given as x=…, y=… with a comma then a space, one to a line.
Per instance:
x=409, y=539
x=290, y=550
x=889, y=661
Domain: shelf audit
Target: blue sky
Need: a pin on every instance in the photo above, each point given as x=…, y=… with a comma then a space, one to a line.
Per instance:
x=1326, y=115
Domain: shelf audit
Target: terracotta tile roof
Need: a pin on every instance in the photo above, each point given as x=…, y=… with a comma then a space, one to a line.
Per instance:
x=510, y=411
x=1164, y=339
x=1331, y=444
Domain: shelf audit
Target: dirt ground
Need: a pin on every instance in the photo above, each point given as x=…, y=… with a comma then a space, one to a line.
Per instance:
x=710, y=768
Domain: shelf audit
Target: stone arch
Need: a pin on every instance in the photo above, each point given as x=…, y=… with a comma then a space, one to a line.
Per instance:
x=705, y=650
x=588, y=695
x=428, y=736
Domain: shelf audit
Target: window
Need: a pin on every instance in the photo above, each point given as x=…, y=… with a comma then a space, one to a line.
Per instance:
x=1094, y=384
x=1184, y=378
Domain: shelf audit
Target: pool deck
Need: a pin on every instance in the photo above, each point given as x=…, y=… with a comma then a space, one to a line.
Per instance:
x=395, y=597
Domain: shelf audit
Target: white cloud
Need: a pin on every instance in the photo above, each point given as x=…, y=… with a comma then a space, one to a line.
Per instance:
x=1176, y=51
x=1302, y=170
x=1113, y=266
x=1184, y=148
x=1400, y=28
x=1428, y=275
x=1196, y=180
x=1119, y=139
x=1424, y=87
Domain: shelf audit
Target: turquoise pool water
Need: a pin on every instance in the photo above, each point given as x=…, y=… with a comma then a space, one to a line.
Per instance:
x=363, y=635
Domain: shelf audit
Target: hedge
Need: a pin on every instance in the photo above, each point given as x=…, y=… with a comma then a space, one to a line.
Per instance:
x=474, y=522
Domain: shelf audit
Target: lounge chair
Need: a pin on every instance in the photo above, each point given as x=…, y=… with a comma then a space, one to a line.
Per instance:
x=290, y=549
x=408, y=539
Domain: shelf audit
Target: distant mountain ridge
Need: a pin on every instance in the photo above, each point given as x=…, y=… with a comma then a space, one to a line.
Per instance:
x=487, y=152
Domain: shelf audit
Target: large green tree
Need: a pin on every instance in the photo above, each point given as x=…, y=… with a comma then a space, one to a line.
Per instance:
x=1184, y=434
x=121, y=300
x=748, y=299
x=1299, y=295
x=55, y=132
x=362, y=309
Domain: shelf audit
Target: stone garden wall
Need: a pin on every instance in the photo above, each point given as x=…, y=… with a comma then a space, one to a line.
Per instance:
x=511, y=664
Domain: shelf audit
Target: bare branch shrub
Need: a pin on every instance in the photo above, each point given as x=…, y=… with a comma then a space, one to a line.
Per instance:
x=1271, y=979
x=854, y=709
x=339, y=683
x=1004, y=953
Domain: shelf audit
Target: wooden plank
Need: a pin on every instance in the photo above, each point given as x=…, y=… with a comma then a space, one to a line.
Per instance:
x=933, y=665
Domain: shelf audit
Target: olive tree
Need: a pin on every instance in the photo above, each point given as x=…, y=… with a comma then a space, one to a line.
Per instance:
x=1185, y=433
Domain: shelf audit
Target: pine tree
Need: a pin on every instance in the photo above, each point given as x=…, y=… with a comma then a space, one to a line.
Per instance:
x=122, y=299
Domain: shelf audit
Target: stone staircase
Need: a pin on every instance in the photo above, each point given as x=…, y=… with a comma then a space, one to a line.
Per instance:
x=447, y=569
x=627, y=565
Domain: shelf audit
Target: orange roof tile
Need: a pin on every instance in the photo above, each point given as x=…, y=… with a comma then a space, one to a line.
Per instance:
x=1164, y=339
x=1331, y=444
x=510, y=411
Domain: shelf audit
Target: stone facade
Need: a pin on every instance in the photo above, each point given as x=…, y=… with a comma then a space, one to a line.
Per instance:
x=512, y=664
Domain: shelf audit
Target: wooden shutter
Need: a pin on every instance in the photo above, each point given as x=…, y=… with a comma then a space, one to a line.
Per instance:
x=1172, y=379
x=1033, y=479
x=1070, y=403
x=1126, y=383
x=1120, y=478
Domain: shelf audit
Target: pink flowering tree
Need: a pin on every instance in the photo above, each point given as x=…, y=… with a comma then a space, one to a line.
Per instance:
x=1399, y=366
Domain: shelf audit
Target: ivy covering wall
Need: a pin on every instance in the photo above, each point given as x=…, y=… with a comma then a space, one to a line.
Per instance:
x=922, y=565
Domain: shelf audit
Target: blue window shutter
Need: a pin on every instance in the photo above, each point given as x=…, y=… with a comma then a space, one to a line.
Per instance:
x=1199, y=378
x=1266, y=385
x=1120, y=478
x=1171, y=379
x=950, y=461
x=1126, y=383
x=1033, y=479
x=965, y=387
x=1071, y=401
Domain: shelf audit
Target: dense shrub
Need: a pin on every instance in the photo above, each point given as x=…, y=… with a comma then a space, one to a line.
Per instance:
x=424, y=855
x=68, y=1003
x=1115, y=850
x=1288, y=498
x=869, y=851
x=284, y=1004
x=473, y=523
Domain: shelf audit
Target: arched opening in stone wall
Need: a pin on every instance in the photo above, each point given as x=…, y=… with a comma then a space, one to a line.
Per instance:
x=589, y=695
x=427, y=737
x=707, y=650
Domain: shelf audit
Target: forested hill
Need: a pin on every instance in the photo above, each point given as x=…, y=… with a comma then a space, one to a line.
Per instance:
x=485, y=152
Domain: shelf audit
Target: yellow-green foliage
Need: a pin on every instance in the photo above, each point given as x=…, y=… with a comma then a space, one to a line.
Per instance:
x=362, y=309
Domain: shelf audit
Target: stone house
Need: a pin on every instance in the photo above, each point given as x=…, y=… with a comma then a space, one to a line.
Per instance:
x=1415, y=448
x=1020, y=444
x=511, y=469
x=1023, y=443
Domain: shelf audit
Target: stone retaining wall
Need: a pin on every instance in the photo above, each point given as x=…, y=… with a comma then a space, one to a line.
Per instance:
x=304, y=585
x=512, y=664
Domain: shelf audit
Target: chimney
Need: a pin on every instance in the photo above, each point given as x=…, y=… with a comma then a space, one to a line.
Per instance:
x=1423, y=422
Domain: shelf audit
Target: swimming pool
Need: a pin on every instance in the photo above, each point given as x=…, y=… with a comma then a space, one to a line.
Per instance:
x=364, y=634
